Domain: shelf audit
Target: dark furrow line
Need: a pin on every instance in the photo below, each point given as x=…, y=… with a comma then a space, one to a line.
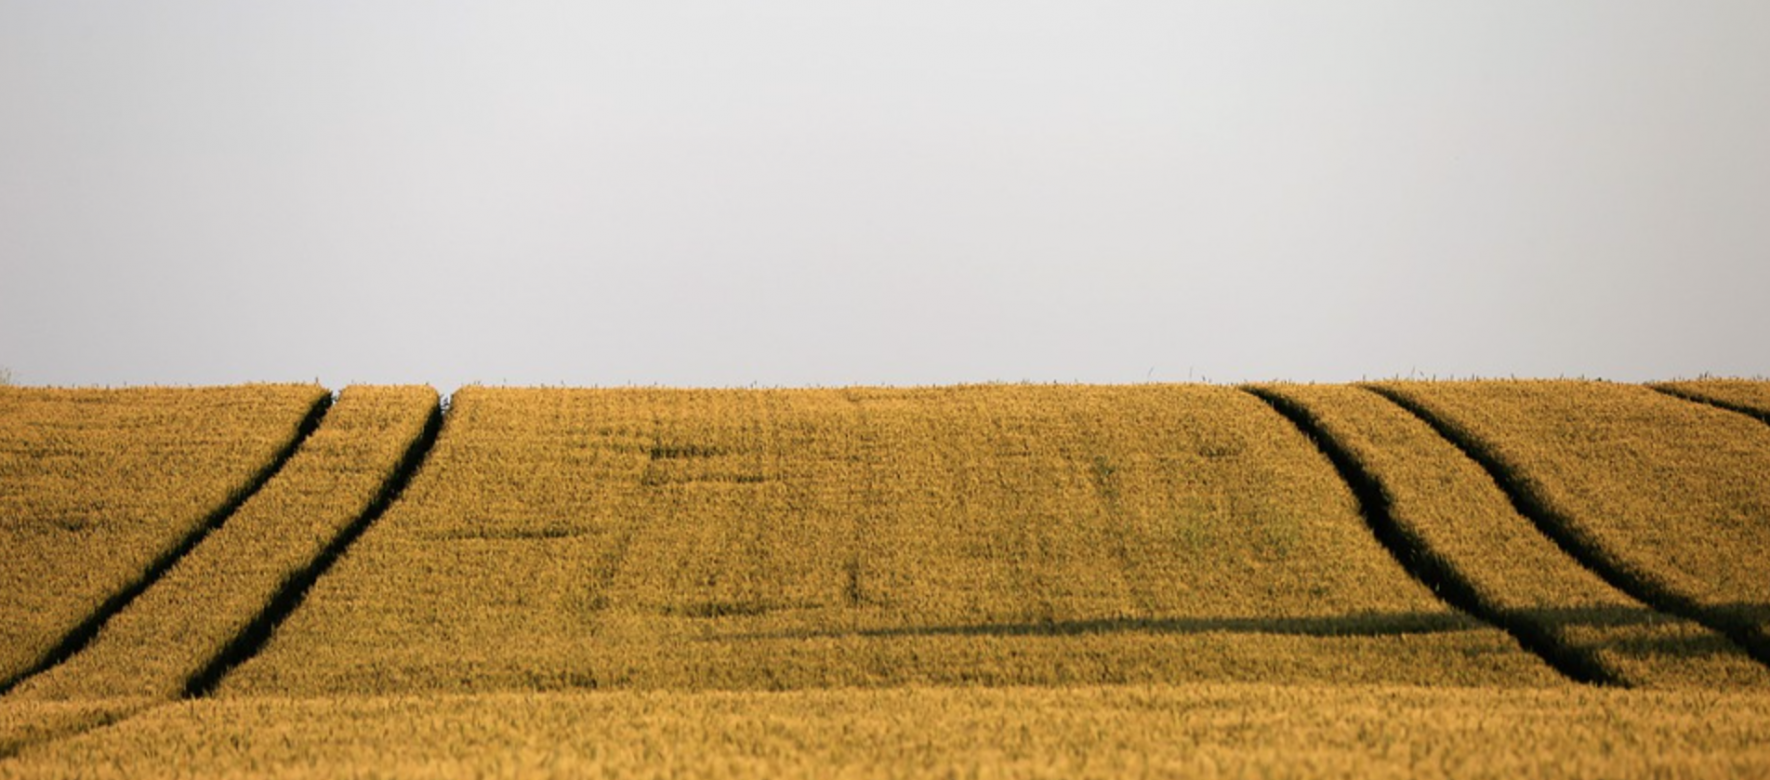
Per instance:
x=1572, y=540
x=1416, y=556
x=82, y=634
x=1683, y=395
x=293, y=591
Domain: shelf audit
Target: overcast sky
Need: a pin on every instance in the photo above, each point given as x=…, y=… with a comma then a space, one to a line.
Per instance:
x=901, y=192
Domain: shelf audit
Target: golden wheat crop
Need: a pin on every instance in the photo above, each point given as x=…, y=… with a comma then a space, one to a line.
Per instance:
x=785, y=539
x=1264, y=731
x=1179, y=572
x=155, y=646
x=1750, y=396
x=1461, y=517
x=1669, y=494
x=96, y=485
x=25, y=723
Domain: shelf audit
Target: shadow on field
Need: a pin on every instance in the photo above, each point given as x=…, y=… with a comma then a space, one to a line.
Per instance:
x=1746, y=612
x=1364, y=624
x=1368, y=624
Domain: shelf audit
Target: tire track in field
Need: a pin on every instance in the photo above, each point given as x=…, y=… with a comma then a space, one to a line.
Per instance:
x=83, y=634
x=1567, y=535
x=1753, y=412
x=294, y=590
x=1430, y=569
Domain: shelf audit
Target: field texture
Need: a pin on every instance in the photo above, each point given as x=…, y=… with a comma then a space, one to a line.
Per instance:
x=98, y=487
x=784, y=539
x=159, y=646
x=1458, y=579
x=1667, y=499
x=1452, y=519
x=1747, y=397
x=1201, y=730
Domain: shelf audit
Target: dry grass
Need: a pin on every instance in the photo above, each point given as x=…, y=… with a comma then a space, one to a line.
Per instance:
x=1461, y=517
x=1263, y=731
x=1669, y=494
x=96, y=485
x=161, y=640
x=988, y=535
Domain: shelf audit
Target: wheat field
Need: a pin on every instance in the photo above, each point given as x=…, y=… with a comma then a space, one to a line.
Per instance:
x=787, y=539
x=1458, y=517
x=96, y=486
x=1749, y=397
x=1204, y=730
x=1409, y=579
x=1665, y=497
x=156, y=645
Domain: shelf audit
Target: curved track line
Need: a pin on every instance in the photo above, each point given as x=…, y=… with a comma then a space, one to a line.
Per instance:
x=1684, y=395
x=1566, y=534
x=1418, y=559
x=294, y=590
x=81, y=635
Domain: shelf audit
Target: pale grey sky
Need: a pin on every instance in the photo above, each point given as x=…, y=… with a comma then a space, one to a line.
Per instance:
x=902, y=192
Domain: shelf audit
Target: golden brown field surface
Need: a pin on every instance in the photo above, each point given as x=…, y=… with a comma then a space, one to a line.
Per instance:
x=1408, y=579
x=1746, y=396
x=1454, y=518
x=989, y=535
x=97, y=486
x=161, y=643
x=1666, y=497
x=1202, y=731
